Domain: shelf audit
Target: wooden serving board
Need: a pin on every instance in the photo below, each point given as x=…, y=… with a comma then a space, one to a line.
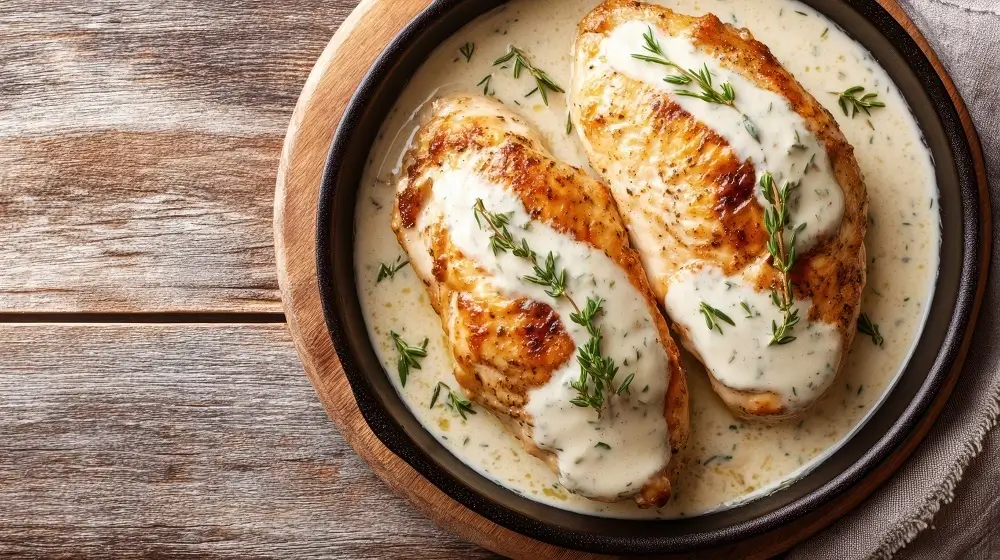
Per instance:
x=333, y=80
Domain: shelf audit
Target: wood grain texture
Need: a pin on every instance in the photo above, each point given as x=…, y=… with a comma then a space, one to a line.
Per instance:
x=138, y=145
x=181, y=440
x=323, y=99
x=139, y=142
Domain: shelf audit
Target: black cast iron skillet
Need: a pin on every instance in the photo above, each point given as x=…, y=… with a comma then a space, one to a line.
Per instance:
x=936, y=352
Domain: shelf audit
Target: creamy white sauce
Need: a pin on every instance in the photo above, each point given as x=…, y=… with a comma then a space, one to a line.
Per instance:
x=740, y=356
x=783, y=145
x=610, y=455
x=761, y=128
x=727, y=460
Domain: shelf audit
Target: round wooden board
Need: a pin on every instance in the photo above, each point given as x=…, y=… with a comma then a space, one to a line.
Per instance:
x=333, y=80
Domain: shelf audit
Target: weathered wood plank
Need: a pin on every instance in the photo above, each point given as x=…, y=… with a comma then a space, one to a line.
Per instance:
x=163, y=440
x=139, y=143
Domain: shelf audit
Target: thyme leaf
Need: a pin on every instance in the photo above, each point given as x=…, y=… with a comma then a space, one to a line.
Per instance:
x=751, y=128
x=624, y=387
x=485, y=82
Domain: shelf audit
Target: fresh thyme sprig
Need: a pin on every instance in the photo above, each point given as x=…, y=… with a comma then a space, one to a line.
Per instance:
x=867, y=327
x=597, y=372
x=389, y=270
x=723, y=95
x=543, y=82
x=701, y=77
x=550, y=277
x=776, y=221
x=502, y=241
x=848, y=99
x=713, y=316
x=467, y=51
x=409, y=356
x=454, y=401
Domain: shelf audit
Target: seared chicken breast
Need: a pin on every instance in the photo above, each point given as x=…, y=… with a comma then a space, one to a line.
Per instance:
x=695, y=125
x=528, y=263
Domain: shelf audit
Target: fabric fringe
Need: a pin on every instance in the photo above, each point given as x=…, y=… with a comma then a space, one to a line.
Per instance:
x=908, y=529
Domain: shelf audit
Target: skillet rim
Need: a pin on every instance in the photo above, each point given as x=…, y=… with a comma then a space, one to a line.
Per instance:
x=387, y=428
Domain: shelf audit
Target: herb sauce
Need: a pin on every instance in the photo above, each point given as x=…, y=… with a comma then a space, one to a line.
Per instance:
x=607, y=455
x=727, y=460
x=778, y=142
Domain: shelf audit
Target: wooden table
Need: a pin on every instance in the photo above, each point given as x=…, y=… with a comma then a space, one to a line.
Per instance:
x=151, y=401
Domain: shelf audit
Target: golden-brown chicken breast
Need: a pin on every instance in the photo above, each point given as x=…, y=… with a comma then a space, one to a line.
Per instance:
x=549, y=316
x=742, y=197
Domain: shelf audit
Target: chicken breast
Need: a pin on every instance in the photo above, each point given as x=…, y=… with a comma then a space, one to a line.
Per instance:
x=690, y=121
x=528, y=264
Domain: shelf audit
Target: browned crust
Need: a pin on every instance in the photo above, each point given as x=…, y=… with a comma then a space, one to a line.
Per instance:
x=410, y=202
x=833, y=272
x=502, y=347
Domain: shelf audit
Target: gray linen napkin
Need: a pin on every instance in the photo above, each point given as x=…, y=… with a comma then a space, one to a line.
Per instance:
x=966, y=36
